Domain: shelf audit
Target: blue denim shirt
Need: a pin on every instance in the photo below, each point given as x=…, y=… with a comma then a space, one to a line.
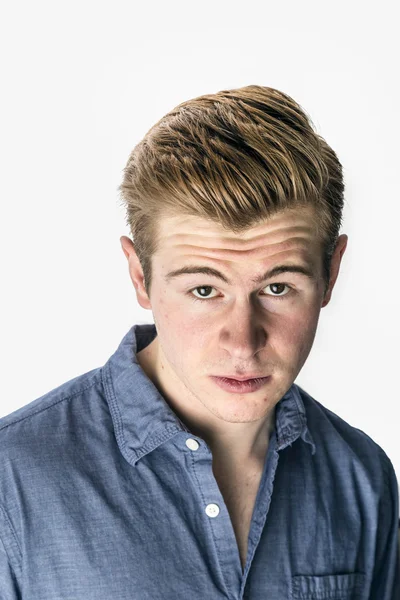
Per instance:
x=106, y=495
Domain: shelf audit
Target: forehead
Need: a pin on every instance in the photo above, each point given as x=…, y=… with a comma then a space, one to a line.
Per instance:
x=293, y=230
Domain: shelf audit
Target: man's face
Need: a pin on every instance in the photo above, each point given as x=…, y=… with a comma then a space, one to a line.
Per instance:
x=208, y=327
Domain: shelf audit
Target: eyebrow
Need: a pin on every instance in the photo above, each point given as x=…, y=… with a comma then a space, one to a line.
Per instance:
x=278, y=270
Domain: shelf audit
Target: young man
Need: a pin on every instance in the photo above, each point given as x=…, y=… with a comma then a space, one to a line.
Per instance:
x=191, y=465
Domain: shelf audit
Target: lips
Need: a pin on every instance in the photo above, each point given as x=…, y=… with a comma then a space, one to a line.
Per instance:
x=242, y=378
x=233, y=385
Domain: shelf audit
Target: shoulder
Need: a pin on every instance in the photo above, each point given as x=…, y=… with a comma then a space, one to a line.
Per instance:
x=35, y=422
x=348, y=444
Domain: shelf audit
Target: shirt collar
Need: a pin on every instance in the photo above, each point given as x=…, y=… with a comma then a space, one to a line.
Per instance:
x=142, y=418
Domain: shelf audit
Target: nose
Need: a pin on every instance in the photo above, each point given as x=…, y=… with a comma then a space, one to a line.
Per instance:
x=242, y=334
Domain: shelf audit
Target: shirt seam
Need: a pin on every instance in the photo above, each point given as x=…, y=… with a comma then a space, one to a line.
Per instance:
x=57, y=401
x=17, y=555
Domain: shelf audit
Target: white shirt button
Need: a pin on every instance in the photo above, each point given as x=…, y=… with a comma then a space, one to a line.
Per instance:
x=192, y=444
x=212, y=510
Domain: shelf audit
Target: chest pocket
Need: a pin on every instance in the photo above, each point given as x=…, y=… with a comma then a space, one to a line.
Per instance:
x=328, y=587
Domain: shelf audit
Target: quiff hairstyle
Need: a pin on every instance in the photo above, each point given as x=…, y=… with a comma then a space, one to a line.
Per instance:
x=236, y=157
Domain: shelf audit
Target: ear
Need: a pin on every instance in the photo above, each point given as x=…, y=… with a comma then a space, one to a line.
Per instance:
x=135, y=272
x=335, y=266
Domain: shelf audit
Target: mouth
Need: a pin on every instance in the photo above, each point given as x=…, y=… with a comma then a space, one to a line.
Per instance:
x=246, y=378
x=241, y=386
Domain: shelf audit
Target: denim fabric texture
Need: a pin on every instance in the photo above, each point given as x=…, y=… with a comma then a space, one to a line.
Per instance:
x=104, y=497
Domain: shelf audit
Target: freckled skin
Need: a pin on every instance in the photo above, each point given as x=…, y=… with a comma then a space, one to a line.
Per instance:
x=242, y=329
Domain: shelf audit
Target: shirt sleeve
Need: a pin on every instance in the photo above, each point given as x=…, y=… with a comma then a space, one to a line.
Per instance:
x=386, y=576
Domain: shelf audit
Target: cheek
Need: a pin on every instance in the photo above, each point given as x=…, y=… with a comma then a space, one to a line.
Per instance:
x=181, y=336
x=295, y=336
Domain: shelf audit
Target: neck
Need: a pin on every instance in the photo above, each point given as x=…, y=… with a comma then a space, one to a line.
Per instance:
x=233, y=444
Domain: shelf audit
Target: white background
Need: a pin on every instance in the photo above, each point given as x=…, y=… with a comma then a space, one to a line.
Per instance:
x=82, y=82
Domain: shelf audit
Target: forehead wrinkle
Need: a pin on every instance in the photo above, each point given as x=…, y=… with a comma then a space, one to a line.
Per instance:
x=236, y=240
x=232, y=253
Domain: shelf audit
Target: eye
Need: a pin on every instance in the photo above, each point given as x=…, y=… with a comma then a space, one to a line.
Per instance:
x=209, y=287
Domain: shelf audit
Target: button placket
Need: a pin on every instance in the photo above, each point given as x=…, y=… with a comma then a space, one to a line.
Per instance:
x=223, y=535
